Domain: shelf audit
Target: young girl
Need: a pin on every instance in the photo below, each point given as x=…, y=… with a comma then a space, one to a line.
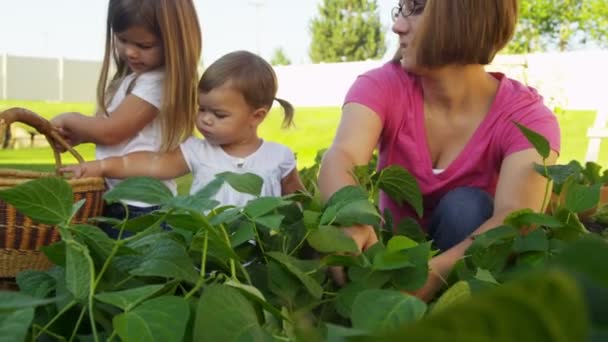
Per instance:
x=149, y=102
x=235, y=94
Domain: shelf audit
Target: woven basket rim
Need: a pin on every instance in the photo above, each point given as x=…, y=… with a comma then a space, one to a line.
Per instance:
x=13, y=177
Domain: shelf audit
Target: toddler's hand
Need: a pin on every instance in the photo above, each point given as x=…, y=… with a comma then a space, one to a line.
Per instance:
x=89, y=169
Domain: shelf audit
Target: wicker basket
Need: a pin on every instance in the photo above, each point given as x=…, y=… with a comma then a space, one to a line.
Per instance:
x=20, y=238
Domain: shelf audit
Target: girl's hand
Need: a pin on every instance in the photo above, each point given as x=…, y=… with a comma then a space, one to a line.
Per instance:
x=364, y=237
x=84, y=170
x=64, y=125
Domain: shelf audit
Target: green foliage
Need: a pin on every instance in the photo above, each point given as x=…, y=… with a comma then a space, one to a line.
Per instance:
x=279, y=57
x=225, y=273
x=559, y=24
x=347, y=30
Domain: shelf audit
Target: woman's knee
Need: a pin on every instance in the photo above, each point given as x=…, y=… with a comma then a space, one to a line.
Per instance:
x=458, y=214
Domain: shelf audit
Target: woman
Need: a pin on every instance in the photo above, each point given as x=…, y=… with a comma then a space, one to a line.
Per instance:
x=435, y=111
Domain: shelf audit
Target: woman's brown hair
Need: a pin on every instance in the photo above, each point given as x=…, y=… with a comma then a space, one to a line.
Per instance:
x=176, y=25
x=464, y=31
x=251, y=76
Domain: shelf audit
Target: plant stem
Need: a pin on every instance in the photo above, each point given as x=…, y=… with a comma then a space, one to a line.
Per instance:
x=204, y=256
x=64, y=310
x=112, y=336
x=78, y=323
x=50, y=333
x=106, y=264
x=201, y=280
x=300, y=243
x=120, y=283
x=92, y=284
x=232, y=264
x=547, y=186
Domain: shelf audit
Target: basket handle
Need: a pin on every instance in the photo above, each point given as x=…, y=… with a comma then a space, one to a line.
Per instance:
x=44, y=127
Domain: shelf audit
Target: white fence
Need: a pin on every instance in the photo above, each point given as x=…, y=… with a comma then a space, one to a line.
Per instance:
x=572, y=80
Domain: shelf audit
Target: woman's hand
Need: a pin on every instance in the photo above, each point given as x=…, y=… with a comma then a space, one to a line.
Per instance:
x=364, y=237
x=439, y=268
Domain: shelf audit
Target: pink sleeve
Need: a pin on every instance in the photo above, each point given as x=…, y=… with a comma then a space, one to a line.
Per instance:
x=539, y=119
x=370, y=90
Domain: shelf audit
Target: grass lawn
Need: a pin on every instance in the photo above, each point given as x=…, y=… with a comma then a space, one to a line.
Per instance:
x=314, y=130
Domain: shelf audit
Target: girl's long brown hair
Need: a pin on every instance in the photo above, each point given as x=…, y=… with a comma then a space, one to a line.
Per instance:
x=176, y=24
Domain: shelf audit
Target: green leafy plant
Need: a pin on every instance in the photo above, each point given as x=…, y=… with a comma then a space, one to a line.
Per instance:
x=260, y=272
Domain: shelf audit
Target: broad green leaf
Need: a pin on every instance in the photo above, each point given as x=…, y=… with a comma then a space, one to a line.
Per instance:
x=412, y=229
x=281, y=282
x=161, y=319
x=79, y=270
x=127, y=299
x=493, y=257
x=76, y=207
x=244, y=233
x=582, y=197
x=217, y=246
x=347, y=194
x=346, y=297
x=263, y=205
x=412, y=278
x=55, y=252
x=209, y=190
x=529, y=311
x=16, y=301
x=401, y=187
x=144, y=222
x=572, y=228
x=342, y=260
x=311, y=219
x=248, y=183
x=591, y=173
x=144, y=189
x=535, y=241
x=329, y=215
x=35, y=283
x=329, y=239
x=167, y=258
x=386, y=261
x=357, y=212
x=495, y=235
x=587, y=256
x=272, y=222
x=14, y=325
x=382, y=310
x=253, y=293
x=193, y=203
x=225, y=217
x=338, y=333
x=46, y=200
x=224, y=314
x=188, y=221
x=95, y=239
x=457, y=293
x=289, y=263
x=527, y=217
x=540, y=143
x=559, y=173
x=398, y=243
x=485, y=275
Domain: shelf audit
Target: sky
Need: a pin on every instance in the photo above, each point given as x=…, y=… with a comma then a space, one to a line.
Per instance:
x=75, y=29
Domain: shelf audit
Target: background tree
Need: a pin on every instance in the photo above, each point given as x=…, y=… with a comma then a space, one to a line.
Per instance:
x=560, y=25
x=347, y=30
x=279, y=57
